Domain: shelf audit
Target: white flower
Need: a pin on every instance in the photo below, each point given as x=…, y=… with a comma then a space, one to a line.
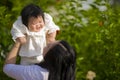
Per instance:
x=102, y=8
x=90, y=75
x=90, y=1
x=86, y=6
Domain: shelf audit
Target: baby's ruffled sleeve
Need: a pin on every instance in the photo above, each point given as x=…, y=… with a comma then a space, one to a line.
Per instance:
x=18, y=29
x=49, y=24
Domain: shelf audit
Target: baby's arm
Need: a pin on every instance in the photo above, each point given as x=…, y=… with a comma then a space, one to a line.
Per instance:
x=18, y=35
x=52, y=29
x=17, y=31
x=51, y=37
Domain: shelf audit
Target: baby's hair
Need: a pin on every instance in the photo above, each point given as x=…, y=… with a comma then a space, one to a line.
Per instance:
x=31, y=10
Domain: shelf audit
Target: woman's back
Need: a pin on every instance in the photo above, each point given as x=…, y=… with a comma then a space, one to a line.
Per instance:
x=31, y=72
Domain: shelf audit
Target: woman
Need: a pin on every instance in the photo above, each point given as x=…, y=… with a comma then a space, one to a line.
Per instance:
x=59, y=64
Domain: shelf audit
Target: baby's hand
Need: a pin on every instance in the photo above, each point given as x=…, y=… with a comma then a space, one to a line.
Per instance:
x=22, y=40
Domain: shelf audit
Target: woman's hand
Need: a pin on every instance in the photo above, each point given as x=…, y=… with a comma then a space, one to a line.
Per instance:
x=51, y=37
x=22, y=40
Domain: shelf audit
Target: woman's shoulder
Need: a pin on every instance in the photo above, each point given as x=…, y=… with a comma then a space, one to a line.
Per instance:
x=24, y=67
x=38, y=72
x=39, y=68
x=34, y=71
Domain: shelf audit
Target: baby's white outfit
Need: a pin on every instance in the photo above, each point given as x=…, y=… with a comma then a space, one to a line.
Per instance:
x=31, y=52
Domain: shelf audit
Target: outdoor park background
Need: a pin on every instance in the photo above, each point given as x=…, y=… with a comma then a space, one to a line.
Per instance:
x=92, y=27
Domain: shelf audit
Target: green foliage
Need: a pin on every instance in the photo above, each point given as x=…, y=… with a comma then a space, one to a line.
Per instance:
x=95, y=36
x=5, y=23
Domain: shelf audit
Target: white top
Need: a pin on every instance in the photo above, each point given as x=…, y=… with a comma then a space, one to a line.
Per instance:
x=29, y=72
x=36, y=41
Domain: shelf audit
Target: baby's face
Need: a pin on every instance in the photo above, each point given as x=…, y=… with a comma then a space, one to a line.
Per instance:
x=35, y=24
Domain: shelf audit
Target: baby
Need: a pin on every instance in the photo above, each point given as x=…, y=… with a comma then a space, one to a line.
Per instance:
x=34, y=29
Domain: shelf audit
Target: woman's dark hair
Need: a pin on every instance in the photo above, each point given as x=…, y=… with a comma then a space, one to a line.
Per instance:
x=60, y=61
x=31, y=10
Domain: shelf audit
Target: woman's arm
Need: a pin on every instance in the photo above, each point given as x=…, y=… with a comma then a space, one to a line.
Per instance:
x=12, y=55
